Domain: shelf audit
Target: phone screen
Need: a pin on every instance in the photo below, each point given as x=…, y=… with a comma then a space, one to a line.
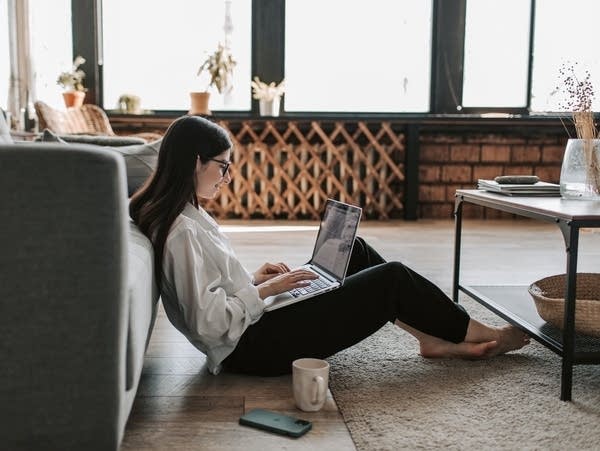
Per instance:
x=276, y=422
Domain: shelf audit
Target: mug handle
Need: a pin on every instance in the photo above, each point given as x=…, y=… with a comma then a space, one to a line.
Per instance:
x=320, y=390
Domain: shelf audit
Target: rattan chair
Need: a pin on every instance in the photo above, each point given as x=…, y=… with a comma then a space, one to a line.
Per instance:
x=89, y=119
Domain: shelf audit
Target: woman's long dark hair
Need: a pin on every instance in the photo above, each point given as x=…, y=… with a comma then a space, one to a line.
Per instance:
x=163, y=197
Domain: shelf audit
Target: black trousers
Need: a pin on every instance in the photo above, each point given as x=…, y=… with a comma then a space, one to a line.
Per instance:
x=375, y=291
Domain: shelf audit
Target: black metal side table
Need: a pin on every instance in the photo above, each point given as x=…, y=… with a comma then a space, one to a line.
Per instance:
x=513, y=303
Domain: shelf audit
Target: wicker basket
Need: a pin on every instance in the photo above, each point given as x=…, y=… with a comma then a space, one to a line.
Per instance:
x=549, y=297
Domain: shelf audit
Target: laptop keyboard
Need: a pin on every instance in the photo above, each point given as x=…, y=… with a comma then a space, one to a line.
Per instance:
x=315, y=285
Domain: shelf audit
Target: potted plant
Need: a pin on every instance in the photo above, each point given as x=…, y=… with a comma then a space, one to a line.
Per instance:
x=72, y=82
x=268, y=96
x=130, y=104
x=219, y=67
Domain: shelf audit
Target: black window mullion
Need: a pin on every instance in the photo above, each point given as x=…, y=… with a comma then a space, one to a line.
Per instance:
x=85, y=29
x=530, y=64
x=268, y=42
x=447, y=56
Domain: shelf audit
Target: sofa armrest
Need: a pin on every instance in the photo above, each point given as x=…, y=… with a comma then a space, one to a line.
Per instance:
x=63, y=310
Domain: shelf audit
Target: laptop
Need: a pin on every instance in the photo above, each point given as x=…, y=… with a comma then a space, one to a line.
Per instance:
x=331, y=254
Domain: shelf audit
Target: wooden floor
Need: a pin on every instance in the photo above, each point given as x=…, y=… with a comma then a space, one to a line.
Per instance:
x=179, y=406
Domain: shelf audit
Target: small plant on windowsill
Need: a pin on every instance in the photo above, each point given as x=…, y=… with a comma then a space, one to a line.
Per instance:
x=580, y=172
x=72, y=82
x=268, y=95
x=219, y=67
x=263, y=91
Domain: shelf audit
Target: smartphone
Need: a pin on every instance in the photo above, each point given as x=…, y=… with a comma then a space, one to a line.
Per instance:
x=517, y=179
x=276, y=422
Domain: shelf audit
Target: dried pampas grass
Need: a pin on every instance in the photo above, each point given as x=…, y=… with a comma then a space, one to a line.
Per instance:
x=580, y=94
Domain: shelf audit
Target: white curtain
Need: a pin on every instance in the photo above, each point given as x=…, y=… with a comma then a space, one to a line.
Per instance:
x=21, y=93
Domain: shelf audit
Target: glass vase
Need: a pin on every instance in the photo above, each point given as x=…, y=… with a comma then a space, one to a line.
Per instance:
x=580, y=172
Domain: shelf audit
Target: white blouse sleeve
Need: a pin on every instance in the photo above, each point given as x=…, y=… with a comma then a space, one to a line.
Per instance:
x=209, y=311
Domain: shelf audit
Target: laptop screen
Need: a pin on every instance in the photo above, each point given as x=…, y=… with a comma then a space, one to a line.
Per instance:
x=334, y=242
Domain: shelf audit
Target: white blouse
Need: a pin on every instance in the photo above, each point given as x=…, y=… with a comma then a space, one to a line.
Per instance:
x=207, y=294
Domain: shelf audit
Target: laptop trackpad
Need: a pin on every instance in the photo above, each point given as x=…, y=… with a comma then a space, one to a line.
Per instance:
x=271, y=301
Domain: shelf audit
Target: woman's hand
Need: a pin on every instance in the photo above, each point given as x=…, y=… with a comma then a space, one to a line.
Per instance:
x=268, y=271
x=285, y=282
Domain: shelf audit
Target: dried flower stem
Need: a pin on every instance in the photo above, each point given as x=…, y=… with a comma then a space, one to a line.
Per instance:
x=593, y=164
x=586, y=130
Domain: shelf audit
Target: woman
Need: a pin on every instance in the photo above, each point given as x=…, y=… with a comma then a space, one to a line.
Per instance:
x=218, y=305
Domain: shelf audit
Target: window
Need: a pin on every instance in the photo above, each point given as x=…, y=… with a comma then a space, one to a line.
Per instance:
x=51, y=47
x=496, y=58
x=564, y=34
x=4, y=55
x=154, y=49
x=351, y=55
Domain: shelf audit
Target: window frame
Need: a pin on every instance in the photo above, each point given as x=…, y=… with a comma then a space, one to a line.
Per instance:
x=522, y=111
x=268, y=55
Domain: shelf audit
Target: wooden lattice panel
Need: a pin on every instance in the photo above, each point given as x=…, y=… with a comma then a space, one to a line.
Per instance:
x=287, y=169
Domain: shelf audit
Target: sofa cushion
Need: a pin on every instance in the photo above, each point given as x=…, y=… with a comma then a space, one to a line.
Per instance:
x=5, y=137
x=143, y=301
x=140, y=159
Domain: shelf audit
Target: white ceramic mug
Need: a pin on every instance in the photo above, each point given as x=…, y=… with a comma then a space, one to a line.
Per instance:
x=310, y=379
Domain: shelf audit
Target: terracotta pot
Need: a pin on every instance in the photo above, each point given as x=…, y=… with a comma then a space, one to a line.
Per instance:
x=73, y=99
x=199, y=103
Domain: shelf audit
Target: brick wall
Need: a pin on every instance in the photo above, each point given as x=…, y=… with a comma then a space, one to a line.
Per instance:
x=450, y=162
x=453, y=152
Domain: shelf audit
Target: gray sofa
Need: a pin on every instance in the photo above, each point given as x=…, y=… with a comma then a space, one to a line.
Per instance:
x=78, y=297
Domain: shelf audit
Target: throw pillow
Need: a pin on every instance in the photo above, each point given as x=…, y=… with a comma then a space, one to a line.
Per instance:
x=49, y=137
x=140, y=159
x=113, y=141
x=5, y=137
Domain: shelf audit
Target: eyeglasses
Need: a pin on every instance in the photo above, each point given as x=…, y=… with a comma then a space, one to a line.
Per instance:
x=224, y=165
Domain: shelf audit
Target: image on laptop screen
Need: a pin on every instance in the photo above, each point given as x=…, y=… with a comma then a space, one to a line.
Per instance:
x=335, y=240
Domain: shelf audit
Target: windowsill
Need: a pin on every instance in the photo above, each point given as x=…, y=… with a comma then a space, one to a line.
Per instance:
x=23, y=136
x=421, y=119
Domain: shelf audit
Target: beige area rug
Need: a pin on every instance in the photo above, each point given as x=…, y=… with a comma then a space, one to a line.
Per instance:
x=391, y=398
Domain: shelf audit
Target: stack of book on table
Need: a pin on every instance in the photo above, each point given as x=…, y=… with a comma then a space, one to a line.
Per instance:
x=518, y=189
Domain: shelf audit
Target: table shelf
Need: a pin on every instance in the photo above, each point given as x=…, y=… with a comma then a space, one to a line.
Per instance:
x=515, y=305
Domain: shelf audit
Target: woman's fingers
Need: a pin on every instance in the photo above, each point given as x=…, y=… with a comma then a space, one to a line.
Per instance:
x=281, y=268
x=303, y=274
x=278, y=283
x=297, y=276
x=275, y=268
x=302, y=278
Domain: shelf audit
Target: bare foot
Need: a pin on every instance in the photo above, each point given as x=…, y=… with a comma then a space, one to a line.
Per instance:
x=509, y=338
x=437, y=348
x=481, y=342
